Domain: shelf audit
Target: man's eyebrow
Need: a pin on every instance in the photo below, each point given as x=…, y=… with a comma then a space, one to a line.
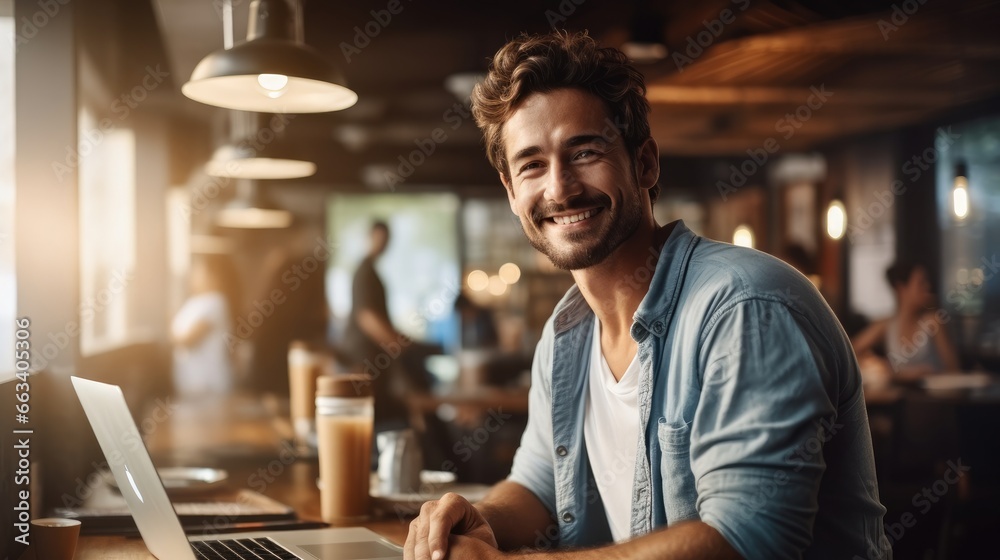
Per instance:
x=526, y=152
x=581, y=139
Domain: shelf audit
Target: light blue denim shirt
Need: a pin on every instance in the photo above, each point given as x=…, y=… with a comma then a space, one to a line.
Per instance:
x=751, y=415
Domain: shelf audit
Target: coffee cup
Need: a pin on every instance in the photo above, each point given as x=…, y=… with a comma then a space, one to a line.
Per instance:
x=304, y=368
x=54, y=538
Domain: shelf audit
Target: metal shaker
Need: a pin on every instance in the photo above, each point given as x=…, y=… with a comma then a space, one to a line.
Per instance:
x=400, y=460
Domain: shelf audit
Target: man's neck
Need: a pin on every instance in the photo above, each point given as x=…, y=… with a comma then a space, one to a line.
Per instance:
x=615, y=287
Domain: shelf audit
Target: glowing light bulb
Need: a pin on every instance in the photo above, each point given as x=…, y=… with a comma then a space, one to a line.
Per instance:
x=960, y=197
x=836, y=220
x=273, y=84
x=743, y=236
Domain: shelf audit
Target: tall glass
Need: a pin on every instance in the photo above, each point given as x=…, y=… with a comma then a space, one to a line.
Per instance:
x=344, y=416
x=304, y=369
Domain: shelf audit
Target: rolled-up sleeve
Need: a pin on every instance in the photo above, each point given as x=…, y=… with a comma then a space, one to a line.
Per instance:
x=533, y=461
x=758, y=432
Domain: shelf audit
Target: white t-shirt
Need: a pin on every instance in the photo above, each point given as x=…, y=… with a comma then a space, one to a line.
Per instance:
x=611, y=431
x=205, y=368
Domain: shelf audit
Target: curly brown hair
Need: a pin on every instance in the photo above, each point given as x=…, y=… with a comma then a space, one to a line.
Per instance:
x=540, y=63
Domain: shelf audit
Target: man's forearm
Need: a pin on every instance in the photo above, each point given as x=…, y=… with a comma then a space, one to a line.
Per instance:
x=692, y=540
x=517, y=517
x=377, y=328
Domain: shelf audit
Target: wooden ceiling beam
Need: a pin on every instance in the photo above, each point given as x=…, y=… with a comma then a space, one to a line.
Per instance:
x=667, y=94
x=863, y=36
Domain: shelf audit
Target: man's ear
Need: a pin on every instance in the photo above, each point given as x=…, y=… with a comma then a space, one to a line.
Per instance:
x=648, y=164
x=510, y=190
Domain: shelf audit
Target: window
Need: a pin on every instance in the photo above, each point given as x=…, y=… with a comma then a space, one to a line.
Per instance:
x=107, y=233
x=420, y=265
x=8, y=294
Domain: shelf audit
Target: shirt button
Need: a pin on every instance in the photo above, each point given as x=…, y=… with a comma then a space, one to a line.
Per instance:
x=658, y=327
x=568, y=517
x=561, y=451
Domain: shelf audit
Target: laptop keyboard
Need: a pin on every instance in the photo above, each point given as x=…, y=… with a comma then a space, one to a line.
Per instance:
x=241, y=549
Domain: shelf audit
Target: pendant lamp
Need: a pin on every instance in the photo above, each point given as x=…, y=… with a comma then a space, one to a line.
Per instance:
x=242, y=162
x=274, y=71
x=253, y=209
x=255, y=149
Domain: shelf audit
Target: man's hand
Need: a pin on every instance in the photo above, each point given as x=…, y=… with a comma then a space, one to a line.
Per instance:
x=430, y=531
x=461, y=548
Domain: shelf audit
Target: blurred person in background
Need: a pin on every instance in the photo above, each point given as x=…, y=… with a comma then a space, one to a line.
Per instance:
x=915, y=340
x=375, y=347
x=202, y=362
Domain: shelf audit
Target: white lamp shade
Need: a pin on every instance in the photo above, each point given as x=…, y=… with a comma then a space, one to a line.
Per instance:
x=253, y=218
x=245, y=163
x=253, y=209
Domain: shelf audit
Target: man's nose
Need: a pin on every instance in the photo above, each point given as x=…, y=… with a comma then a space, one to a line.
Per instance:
x=561, y=183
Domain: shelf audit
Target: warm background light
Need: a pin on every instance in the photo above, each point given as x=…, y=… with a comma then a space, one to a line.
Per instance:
x=478, y=280
x=836, y=220
x=510, y=273
x=743, y=236
x=254, y=218
x=497, y=285
x=960, y=197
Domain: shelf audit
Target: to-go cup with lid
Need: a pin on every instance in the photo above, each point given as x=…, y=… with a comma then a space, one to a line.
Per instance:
x=344, y=416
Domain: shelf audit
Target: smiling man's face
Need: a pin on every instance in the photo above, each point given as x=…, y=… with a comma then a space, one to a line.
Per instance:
x=572, y=182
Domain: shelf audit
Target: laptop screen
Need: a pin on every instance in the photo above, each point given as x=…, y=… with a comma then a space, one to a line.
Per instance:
x=132, y=468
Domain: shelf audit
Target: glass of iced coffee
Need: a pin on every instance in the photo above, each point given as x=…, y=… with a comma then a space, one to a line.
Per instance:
x=344, y=415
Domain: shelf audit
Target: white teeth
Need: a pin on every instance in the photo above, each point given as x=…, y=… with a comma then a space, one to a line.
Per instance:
x=563, y=220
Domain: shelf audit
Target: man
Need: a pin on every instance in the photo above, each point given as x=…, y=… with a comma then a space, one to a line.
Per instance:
x=369, y=324
x=689, y=399
x=377, y=348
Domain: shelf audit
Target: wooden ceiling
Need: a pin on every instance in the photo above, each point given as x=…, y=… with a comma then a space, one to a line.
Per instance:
x=877, y=66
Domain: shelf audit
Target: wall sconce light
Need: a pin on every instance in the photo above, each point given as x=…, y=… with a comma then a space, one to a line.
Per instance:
x=836, y=219
x=960, y=192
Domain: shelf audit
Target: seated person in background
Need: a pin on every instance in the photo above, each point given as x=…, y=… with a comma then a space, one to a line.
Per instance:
x=689, y=399
x=915, y=340
x=202, y=362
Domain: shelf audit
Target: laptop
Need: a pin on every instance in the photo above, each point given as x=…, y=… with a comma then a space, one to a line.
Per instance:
x=157, y=521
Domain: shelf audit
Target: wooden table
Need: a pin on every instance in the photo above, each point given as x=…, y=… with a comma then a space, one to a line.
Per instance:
x=247, y=438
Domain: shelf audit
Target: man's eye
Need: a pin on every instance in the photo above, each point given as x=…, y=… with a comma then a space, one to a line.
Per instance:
x=530, y=165
x=584, y=154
